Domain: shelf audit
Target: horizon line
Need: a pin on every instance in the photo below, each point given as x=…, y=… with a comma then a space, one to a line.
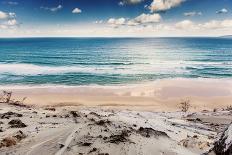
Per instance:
x=115, y=37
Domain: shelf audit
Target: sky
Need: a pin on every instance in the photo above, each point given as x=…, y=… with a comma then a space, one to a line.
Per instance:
x=115, y=18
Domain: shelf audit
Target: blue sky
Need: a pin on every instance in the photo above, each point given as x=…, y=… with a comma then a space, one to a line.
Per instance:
x=115, y=18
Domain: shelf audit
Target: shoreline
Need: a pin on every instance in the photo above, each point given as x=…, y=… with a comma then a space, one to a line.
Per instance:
x=138, y=83
x=158, y=95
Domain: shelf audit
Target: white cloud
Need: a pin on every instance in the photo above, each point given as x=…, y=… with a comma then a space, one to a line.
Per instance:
x=76, y=10
x=11, y=3
x=216, y=24
x=163, y=29
x=12, y=22
x=224, y=10
x=3, y=15
x=59, y=7
x=226, y=23
x=142, y=19
x=98, y=22
x=53, y=9
x=141, y=26
x=163, y=5
x=193, y=13
x=12, y=15
x=121, y=3
x=2, y=26
x=124, y=2
x=116, y=22
x=210, y=25
x=185, y=24
x=7, y=20
x=147, y=18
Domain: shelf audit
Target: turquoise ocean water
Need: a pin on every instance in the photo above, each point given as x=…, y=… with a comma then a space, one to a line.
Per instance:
x=86, y=61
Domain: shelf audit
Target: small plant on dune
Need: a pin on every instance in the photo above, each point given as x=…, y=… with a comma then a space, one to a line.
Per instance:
x=184, y=105
x=229, y=108
x=6, y=97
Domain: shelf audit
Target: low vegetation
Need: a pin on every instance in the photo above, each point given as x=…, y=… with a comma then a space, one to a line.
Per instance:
x=6, y=97
x=185, y=105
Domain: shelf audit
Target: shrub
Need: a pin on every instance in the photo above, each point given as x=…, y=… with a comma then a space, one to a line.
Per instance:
x=184, y=105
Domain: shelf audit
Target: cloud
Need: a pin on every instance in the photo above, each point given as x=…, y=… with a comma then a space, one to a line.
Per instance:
x=147, y=18
x=12, y=22
x=76, y=10
x=216, y=24
x=164, y=29
x=53, y=9
x=121, y=3
x=193, y=13
x=125, y=2
x=116, y=22
x=4, y=15
x=224, y=10
x=7, y=20
x=164, y=5
x=210, y=25
x=2, y=26
x=98, y=22
x=10, y=3
x=142, y=19
x=12, y=15
x=185, y=24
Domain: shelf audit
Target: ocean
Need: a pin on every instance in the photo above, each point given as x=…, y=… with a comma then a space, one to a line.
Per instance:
x=106, y=61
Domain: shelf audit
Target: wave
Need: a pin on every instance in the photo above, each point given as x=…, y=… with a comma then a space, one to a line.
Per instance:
x=31, y=69
x=158, y=67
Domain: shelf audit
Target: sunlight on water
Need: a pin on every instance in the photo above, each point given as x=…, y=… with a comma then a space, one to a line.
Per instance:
x=82, y=61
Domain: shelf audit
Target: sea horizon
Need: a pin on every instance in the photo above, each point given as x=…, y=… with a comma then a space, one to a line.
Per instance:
x=116, y=37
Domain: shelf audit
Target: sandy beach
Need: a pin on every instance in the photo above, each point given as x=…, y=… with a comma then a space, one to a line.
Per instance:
x=141, y=119
x=161, y=95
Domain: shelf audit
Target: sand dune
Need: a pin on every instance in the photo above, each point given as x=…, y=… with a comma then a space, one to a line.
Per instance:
x=80, y=130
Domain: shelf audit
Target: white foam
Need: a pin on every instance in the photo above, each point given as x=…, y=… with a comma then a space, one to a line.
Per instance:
x=156, y=67
x=30, y=69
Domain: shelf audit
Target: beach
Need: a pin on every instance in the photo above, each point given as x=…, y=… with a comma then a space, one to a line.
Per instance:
x=97, y=130
x=160, y=95
x=134, y=119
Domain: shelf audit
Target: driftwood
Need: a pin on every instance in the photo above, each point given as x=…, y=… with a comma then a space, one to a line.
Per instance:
x=6, y=97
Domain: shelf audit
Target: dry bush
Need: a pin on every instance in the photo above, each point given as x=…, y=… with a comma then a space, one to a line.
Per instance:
x=8, y=141
x=229, y=108
x=184, y=105
x=6, y=97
